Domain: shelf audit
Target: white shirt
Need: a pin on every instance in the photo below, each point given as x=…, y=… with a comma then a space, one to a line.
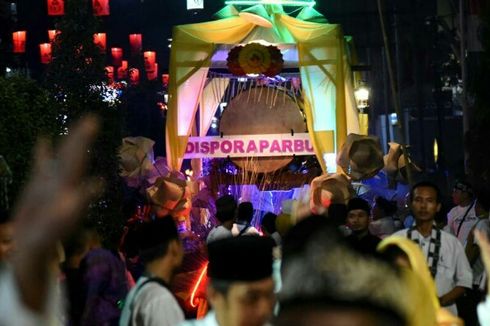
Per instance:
x=237, y=228
x=479, y=275
x=453, y=268
x=14, y=312
x=454, y=218
x=217, y=233
x=382, y=227
x=209, y=320
x=153, y=305
x=484, y=312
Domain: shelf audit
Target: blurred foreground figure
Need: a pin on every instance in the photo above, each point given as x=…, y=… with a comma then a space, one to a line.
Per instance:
x=49, y=207
x=421, y=290
x=326, y=283
x=6, y=236
x=484, y=307
x=240, y=288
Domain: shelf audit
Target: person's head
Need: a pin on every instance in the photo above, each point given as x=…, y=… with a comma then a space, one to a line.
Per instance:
x=241, y=288
x=159, y=240
x=395, y=256
x=336, y=314
x=326, y=283
x=358, y=213
x=383, y=207
x=6, y=236
x=225, y=208
x=404, y=253
x=79, y=243
x=245, y=212
x=268, y=223
x=425, y=201
x=337, y=213
x=462, y=193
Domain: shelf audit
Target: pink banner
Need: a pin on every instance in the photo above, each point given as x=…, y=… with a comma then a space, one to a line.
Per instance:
x=249, y=145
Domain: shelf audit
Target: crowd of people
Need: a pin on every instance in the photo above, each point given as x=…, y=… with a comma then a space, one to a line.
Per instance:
x=356, y=264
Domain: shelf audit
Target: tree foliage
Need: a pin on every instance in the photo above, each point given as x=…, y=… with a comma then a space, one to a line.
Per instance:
x=76, y=78
x=477, y=138
x=27, y=111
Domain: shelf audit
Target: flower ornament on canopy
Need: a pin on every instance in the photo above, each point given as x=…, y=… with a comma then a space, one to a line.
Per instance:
x=255, y=58
x=232, y=61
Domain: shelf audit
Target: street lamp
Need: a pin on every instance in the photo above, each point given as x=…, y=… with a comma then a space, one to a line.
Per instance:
x=362, y=101
x=362, y=97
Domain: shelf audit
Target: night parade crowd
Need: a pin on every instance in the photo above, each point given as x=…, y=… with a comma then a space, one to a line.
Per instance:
x=358, y=263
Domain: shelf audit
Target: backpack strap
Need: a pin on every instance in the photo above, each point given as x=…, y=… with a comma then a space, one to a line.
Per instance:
x=464, y=217
x=137, y=291
x=242, y=232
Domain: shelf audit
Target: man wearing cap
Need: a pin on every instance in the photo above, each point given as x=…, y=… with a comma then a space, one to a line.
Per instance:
x=445, y=255
x=462, y=218
x=225, y=214
x=358, y=217
x=240, y=288
x=151, y=302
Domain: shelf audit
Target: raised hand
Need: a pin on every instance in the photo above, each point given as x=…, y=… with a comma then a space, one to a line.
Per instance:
x=53, y=200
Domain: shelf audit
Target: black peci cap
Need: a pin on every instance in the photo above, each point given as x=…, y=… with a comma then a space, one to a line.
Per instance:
x=358, y=203
x=243, y=258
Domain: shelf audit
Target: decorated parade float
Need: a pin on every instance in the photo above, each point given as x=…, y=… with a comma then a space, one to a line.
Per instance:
x=261, y=106
x=259, y=100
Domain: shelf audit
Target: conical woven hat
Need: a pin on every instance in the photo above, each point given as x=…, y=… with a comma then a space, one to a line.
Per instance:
x=361, y=156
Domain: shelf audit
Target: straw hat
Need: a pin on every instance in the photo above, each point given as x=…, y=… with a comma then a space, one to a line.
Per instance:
x=135, y=159
x=396, y=166
x=329, y=189
x=391, y=162
x=166, y=194
x=361, y=156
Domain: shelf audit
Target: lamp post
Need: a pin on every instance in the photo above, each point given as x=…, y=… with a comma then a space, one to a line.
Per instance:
x=362, y=101
x=362, y=97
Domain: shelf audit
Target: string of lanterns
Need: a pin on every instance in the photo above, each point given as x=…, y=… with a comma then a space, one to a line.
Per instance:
x=99, y=7
x=119, y=66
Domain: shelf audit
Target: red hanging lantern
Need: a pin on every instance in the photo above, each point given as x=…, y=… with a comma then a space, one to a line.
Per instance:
x=45, y=51
x=134, y=76
x=152, y=75
x=100, y=41
x=56, y=7
x=150, y=58
x=19, y=41
x=165, y=78
x=100, y=7
x=52, y=34
x=109, y=72
x=122, y=72
x=117, y=54
x=135, y=41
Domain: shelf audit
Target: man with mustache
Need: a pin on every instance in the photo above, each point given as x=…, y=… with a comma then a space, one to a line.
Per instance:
x=445, y=255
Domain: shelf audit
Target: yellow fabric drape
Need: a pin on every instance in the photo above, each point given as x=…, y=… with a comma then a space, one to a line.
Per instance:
x=190, y=58
x=211, y=96
x=322, y=64
x=425, y=308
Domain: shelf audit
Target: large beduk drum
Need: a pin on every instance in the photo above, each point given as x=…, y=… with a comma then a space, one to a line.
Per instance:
x=258, y=111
